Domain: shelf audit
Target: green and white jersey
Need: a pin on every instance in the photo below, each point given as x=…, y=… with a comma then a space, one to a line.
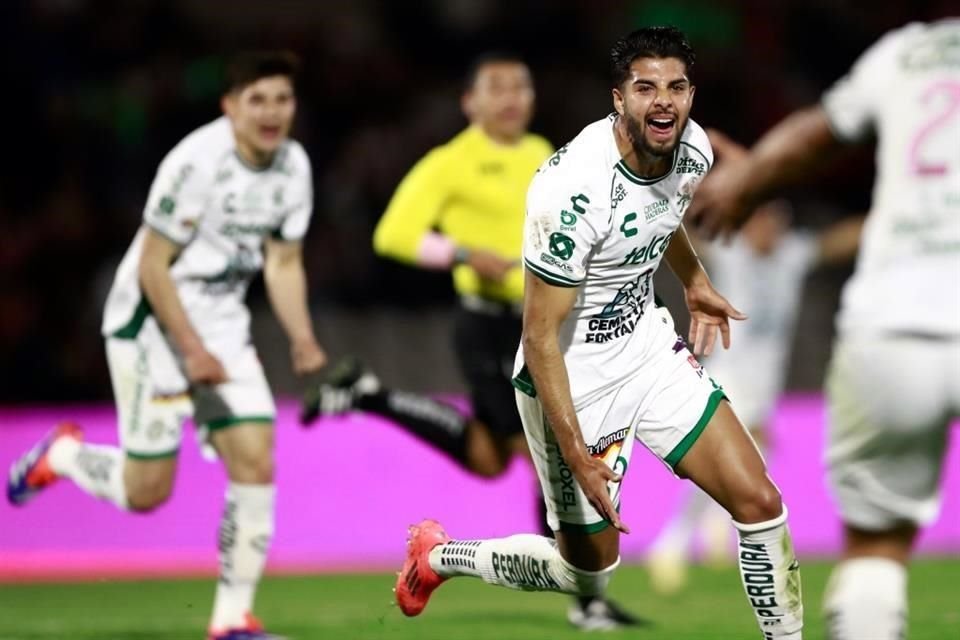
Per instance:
x=593, y=224
x=219, y=210
x=905, y=91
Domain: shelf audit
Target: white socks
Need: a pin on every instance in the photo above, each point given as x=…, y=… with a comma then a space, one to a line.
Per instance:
x=866, y=598
x=524, y=561
x=771, y=577
x=245, y=533
x=97, y=469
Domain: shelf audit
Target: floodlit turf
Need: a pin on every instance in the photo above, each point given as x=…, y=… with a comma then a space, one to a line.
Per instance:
x=359, y=606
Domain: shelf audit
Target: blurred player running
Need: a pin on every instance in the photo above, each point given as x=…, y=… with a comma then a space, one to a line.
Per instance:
x=894, y=380
x=461, y=209
x=232, y=198
x=601, y=366
x=762, y=271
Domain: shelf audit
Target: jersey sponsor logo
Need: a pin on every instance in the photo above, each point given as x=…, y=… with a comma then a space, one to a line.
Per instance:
x=561, y=245
x=166, y=206
x=628, y=232
x=233, y=229
x=653, y=211
x=491, y=168
x=619, y=317
x=687, y=164
x=554, y=160
x=651, y=251
x=619, y=193
x=553, y=262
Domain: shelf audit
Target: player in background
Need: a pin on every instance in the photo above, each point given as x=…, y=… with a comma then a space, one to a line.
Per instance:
x=762, y=271
x=232, y=198
x=460, y=208
x=601, y=366
x=894, y=379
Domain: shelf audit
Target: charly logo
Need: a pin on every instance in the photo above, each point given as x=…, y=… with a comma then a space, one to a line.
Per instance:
x=561, y=246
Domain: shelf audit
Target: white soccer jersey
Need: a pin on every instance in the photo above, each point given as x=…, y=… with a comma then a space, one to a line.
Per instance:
x=593, y=224
x=219, y=209
x=768, y=289
x=906, y=90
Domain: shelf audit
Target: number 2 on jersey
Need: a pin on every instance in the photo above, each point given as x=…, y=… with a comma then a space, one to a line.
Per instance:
x=951, y=90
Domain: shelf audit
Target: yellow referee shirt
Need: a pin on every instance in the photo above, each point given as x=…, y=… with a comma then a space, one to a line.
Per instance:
x=474, y=191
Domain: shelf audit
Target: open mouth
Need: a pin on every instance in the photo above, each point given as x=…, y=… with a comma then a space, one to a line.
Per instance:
x=661, y=127
x=270, y=131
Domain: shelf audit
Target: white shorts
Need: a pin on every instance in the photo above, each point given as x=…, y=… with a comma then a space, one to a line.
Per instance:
x=154, y=397
x=753, y=398
x=665, y=404
x=890, y=401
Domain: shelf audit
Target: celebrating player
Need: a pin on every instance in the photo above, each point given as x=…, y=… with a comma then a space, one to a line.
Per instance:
x=600, y=365
x=177, y=329
x=893, y=383
x=461, y=209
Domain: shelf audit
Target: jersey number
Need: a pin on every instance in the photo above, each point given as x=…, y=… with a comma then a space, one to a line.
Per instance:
x=951, y=90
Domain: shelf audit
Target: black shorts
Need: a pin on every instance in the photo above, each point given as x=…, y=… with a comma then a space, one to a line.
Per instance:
x=486, y=345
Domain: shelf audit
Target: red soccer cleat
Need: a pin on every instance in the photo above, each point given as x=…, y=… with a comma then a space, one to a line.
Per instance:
x=417, y=580
x=32, y=473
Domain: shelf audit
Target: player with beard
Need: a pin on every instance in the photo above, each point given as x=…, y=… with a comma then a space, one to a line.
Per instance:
x=600, y=366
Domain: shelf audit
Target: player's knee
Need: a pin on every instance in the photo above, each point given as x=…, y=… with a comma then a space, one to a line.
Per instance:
x=759, y=503
x=253, y=468
x=146, y=494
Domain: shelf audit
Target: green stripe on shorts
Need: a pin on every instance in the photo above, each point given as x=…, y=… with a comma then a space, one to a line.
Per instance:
x=152, y=456
x=232, y=421
x=595, y=527
x=675, y=456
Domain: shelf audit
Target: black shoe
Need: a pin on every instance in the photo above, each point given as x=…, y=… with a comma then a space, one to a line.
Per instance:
x=334, y=394
x=600, y=614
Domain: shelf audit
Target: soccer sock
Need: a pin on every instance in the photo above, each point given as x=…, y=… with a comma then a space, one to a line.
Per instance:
x=524, y=561
x=866, y=598
x=245, y=532
x=97, y=469
x=436, y=423
x=771, y=577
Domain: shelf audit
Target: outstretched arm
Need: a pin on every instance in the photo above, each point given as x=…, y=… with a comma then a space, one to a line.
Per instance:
x=733, y=189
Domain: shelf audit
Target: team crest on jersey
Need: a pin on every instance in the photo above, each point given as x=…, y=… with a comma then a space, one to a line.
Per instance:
x=685, y=195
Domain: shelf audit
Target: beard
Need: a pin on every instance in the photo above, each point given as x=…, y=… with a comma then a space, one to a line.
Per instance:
x=637, y=129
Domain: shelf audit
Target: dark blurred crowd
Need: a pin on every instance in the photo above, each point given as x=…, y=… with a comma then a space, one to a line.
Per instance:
x=98, y=91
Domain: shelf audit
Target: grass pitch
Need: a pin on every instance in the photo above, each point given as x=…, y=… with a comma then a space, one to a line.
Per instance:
x=359, y=607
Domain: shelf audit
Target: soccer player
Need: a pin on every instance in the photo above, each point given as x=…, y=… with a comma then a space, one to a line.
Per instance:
x=461, y=209
x=600, y=365
x=893, y=382
x=232, y=198
x=762, y=271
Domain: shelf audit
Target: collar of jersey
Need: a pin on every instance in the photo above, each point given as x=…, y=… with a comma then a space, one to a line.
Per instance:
x=633, y=177
x=256, y=169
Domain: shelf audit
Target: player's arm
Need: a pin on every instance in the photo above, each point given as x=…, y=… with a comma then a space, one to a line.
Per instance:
x=286, y=283
x=709, y=311
x=545, y=307
x=839, y=242
x=407, y=230
x=734, y=188
x=156, y=257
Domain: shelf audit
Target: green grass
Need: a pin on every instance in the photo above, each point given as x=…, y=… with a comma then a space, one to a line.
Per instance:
x=359, y=607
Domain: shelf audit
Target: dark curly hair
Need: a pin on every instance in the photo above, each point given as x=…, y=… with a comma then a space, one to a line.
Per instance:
x=649, y=42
